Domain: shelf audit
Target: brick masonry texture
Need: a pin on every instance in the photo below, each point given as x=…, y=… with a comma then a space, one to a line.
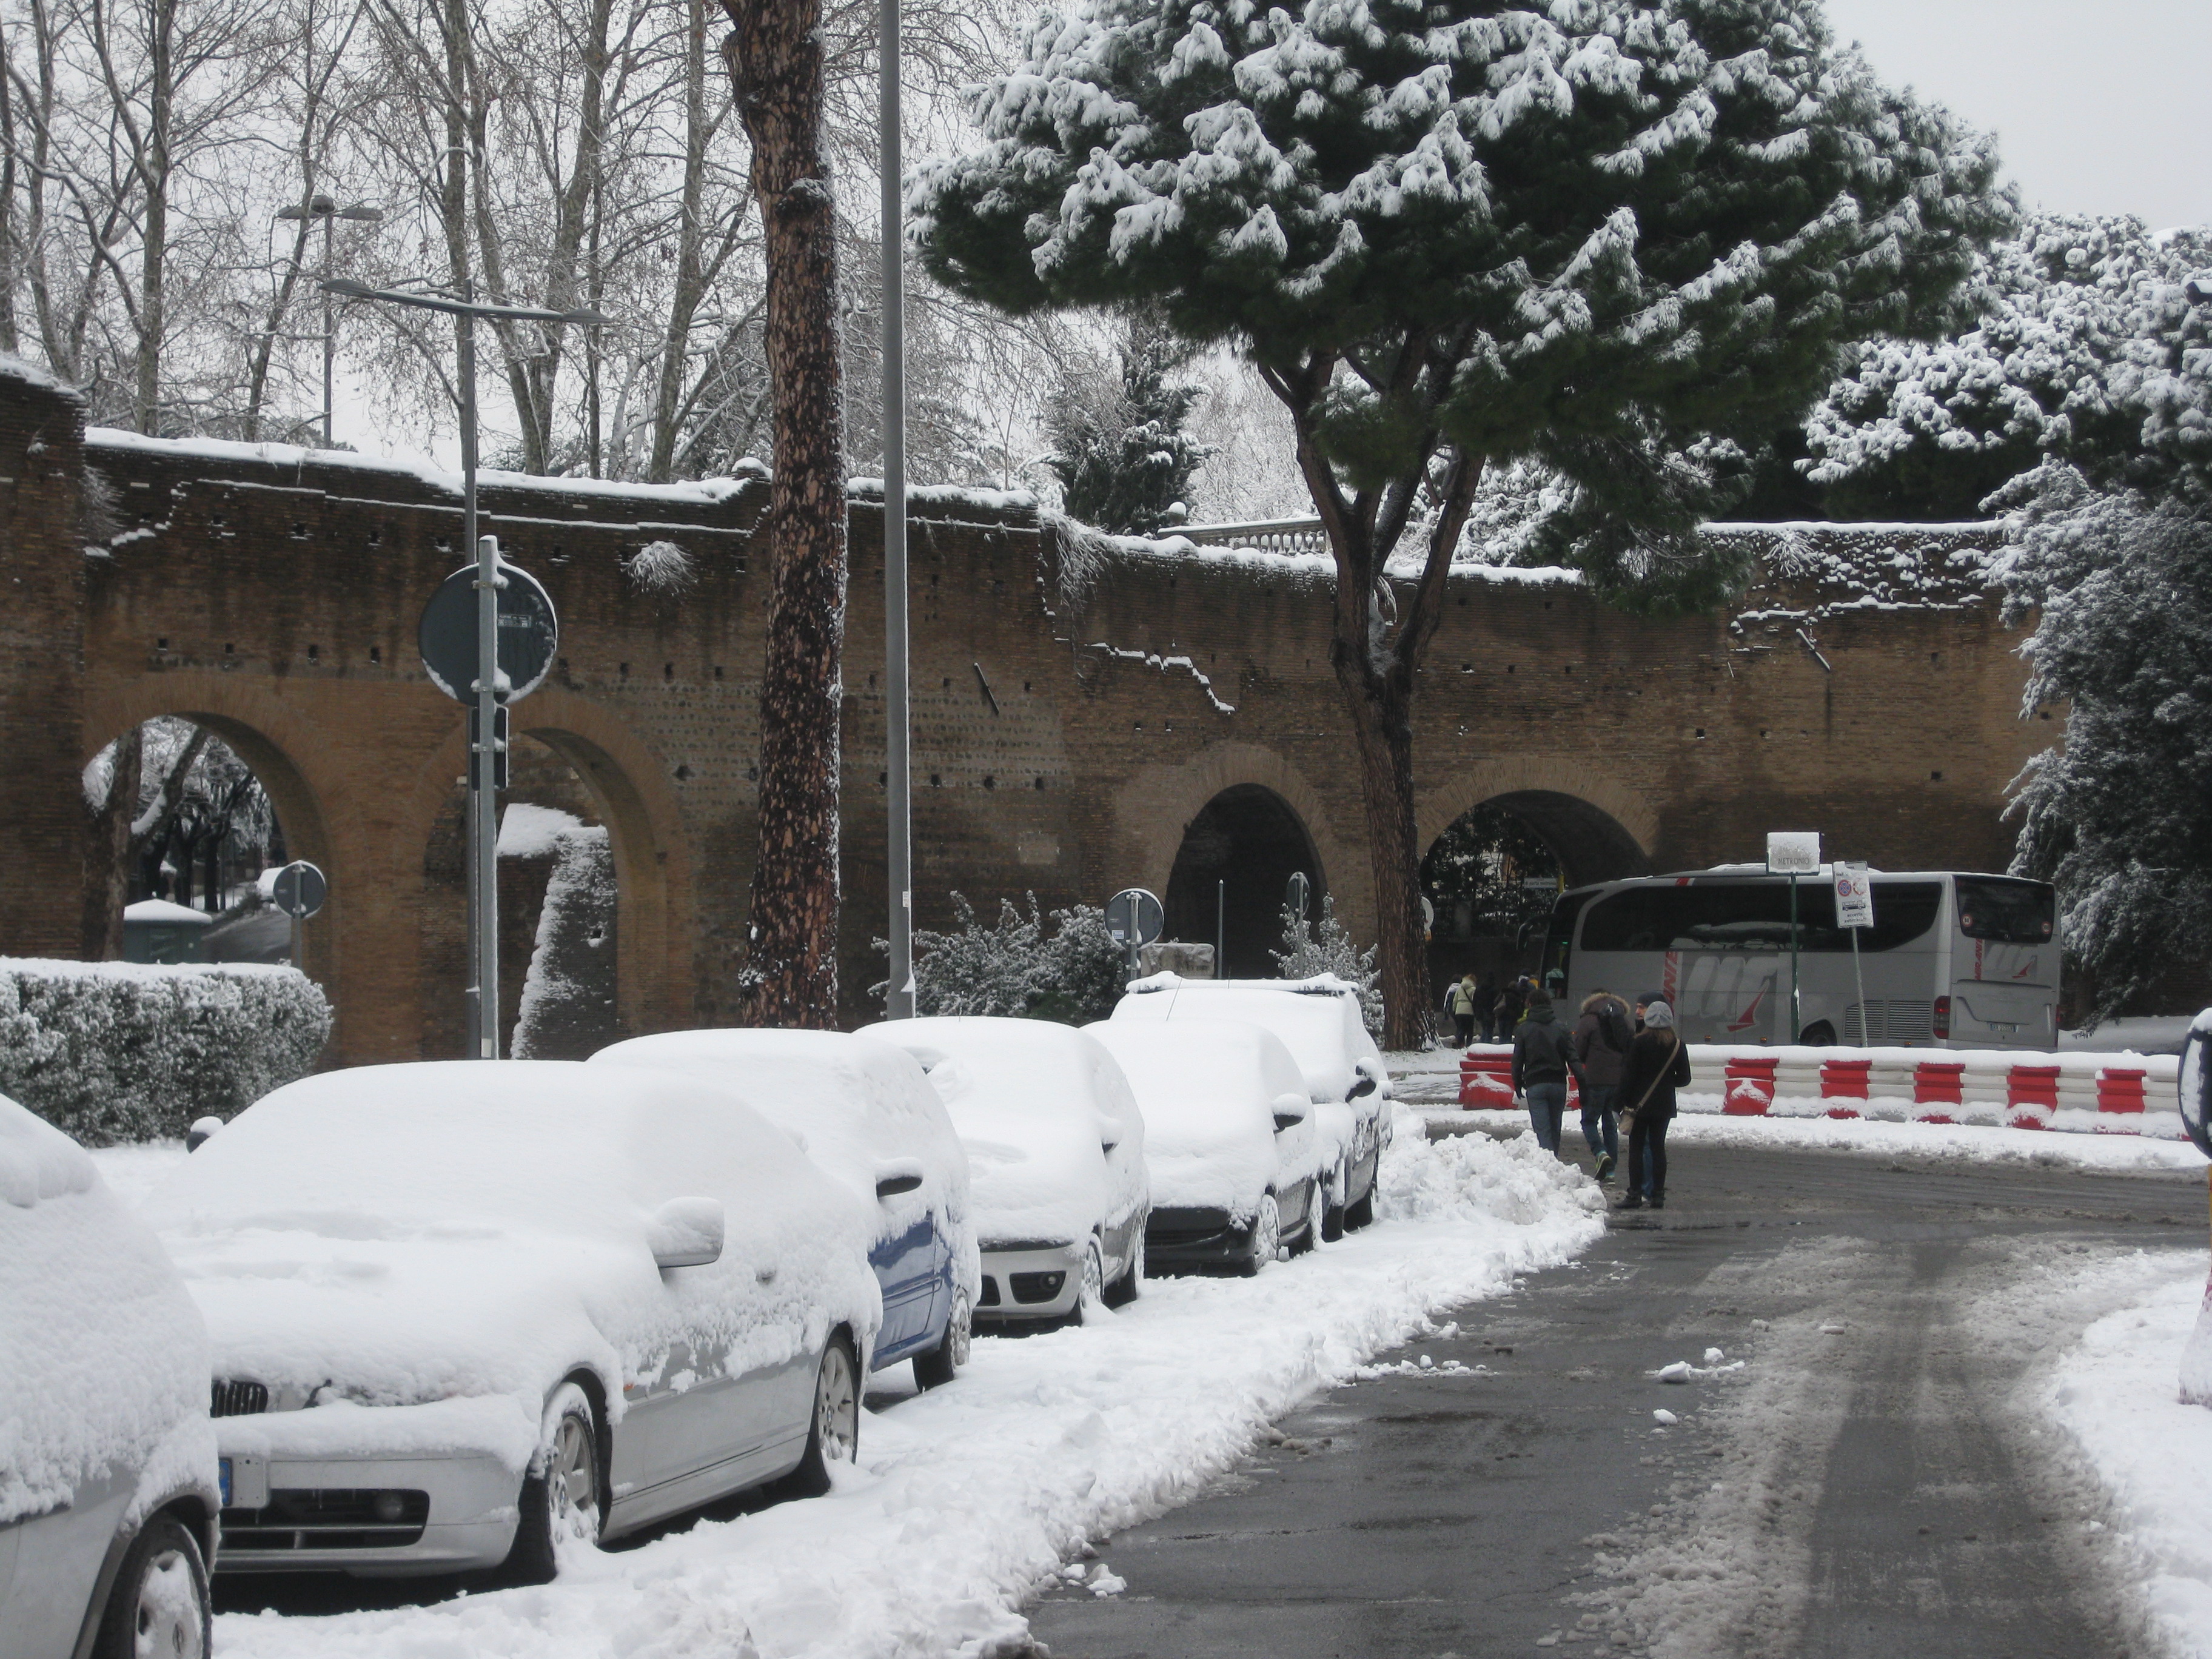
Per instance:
x=1077, y=701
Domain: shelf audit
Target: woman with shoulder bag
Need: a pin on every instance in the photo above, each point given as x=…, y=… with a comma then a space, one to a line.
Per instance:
x=1658, y=1064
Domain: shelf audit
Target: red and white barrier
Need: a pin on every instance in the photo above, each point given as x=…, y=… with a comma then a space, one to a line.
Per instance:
x=2104, y=1094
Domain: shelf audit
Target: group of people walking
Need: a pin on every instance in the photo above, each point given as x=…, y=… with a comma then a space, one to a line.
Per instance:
x=1626, y=1063
x=1486, y=1008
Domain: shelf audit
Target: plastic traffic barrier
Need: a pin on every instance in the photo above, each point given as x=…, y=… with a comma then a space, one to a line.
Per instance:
x=1748, y=1089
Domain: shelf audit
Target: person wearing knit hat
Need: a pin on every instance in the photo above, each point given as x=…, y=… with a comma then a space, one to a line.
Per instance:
x=1658, y=1064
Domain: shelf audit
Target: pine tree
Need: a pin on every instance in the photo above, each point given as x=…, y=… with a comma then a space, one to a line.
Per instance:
x=1623, y=240
x=1312, y=949
x=1124, y=460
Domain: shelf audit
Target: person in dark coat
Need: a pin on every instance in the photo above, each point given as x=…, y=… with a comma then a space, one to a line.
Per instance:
x=1658, y=1064
x=1485, y=1007
x=1602, y=1039
x=1511, y=998
x=1541, y=1049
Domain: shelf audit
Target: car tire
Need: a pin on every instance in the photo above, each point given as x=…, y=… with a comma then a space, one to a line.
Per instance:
x=1819, y=1035
x=940, y=1365
x=1266, y=1238
x=833, y=1436
x=1361, y=1213
x=560, y=1496
x=1317, y=1220
x=160, y=1601
x=1090, y=1294
x=1130, y=1285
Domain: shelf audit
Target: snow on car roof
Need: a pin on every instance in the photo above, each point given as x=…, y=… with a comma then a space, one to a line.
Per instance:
x=1322, y=1029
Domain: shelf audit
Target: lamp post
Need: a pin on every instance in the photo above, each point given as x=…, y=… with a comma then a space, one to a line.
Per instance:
x=483, y=807
x=898, y=776
x=323, y=208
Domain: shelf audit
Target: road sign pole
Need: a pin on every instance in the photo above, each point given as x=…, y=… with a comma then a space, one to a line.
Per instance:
x=484, y=786
x=899, y=772
x=1795, y=1013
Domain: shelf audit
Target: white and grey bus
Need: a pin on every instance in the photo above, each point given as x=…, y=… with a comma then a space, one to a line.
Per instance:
x=1953, y=960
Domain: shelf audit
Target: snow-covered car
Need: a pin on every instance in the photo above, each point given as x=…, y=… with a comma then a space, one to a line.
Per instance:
x=463, y=1312
x=1055, y=1147
x=1229, y=1141
x=1318, y=1020
x=864, y=1112
x=108, y=1487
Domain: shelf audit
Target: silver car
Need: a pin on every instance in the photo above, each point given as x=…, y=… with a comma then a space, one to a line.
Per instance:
x=463, y=1312
x=108, y=1491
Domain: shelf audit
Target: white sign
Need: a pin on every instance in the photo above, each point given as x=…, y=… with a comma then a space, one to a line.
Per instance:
x=1793, y=852
x=1854, y=896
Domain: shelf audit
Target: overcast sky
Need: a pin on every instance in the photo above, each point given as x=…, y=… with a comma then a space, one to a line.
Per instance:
x=2099, y=105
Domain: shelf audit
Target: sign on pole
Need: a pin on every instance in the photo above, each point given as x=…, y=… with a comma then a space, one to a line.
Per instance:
x=299, y=890
x=1854, y=896
x=1134, y=918
x=1793, y=852
x=529, y=634
x=1296, y=892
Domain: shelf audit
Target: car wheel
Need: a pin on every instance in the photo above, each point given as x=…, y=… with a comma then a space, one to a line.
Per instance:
x=1317, y=1220
x=1126, y=1289
x=160, y=1602
x=561, y=1495
x=1091, y=1295
x=1819, y=1035
x=1267, y=1235
x=1360, y=1213
x=941, y=1364
x=833, y=1436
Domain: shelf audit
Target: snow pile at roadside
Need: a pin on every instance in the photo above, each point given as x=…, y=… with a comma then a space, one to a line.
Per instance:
x=2117, y=1393
x=969, y=1498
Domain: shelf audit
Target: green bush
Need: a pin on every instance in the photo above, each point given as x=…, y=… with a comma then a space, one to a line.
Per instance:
x=114, y=1051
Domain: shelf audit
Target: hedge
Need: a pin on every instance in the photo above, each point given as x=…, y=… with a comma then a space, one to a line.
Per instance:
x=116, y=1051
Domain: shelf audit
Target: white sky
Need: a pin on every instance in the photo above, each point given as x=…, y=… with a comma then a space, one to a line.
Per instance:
x=2099, y=105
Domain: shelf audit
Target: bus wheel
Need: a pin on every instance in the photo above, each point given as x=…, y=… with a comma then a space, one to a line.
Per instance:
x=1819, y=1035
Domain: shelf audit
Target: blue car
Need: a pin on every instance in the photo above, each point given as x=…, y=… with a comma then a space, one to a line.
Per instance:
x=864, y=1113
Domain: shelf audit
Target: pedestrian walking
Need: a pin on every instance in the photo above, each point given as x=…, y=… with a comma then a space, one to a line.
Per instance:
x=1486, y=1006
x=1542, y=1048
x=1644, y=999
x=1512, y=1000
x=1603, y=1037
x=1462, y=1008
x=1658, y=1064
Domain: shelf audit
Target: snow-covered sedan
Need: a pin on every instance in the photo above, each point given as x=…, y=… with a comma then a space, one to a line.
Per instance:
x=864, y=1111
x=463, y=1312
x=1318, y=1020
x=1055, y=1147
x=109, y=1488
x=1229, y=1141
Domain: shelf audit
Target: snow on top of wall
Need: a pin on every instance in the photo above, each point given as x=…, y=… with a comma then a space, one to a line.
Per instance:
x=1810, y=570
x=160, y=910
x=55, y=968
x=18, y=368
x=948, y=495
x=527, y=830
x=707, y=492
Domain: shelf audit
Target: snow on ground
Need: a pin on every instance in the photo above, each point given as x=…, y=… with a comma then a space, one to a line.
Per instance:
x=966, y=1498
x=2117, y=1393
x=2107, y=1154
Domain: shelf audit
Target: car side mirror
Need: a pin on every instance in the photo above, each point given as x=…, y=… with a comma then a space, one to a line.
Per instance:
x=903, y=1180
x=687, y=1232
x=202, y=1132
x=1288, y=1121
x=1362, y=1089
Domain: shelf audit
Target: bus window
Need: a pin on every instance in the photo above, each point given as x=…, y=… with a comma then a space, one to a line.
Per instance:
x=2005, y=911
x=1559, y=933
x=1739, y=916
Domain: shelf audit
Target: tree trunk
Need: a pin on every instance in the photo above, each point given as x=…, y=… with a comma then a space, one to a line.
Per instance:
x=1381, y=708
x=776, y=61
x=108, y=852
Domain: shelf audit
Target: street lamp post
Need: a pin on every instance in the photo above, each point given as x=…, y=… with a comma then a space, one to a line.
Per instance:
x=898, y=778
x=323, y=208
x=489, y=694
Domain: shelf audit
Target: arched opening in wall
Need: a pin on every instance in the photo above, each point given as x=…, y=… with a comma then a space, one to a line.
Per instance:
x=1494, y=873
x=186, y=814
x=559, y=905
x=1230, y=877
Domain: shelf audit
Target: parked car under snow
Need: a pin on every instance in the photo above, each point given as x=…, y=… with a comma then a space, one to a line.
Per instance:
x=864, y=1112
x=1056, y=1155
x=461, y=1311
x=1318, y=1020
x=109, y=1488
x=1229, y=1141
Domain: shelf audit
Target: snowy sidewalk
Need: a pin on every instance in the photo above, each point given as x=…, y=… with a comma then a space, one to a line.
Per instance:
x=968, y=1498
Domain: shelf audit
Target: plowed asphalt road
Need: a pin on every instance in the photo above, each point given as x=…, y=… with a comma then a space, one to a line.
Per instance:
x=1864, y=1486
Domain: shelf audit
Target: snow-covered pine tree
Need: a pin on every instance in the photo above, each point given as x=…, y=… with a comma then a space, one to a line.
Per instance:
x=1623, y=240
x=1124, y=459
x=1015, y=969
x=2079, y=345
x=1311, y=948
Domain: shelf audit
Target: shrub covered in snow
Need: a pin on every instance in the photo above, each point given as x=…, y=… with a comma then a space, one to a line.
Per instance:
x=1014, y=969
x=1312, y=949
x=124, y=1051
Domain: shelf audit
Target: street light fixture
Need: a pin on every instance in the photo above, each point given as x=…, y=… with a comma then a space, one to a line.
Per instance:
x=323, y=208
x=483, y=807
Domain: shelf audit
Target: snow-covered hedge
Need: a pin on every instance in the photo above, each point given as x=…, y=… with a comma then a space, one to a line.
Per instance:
x=114, y=1051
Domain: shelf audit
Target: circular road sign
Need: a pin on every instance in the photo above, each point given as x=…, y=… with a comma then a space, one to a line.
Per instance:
x=1296, y=891
x=528, y=633
x=1134, y=916
x=300, y=889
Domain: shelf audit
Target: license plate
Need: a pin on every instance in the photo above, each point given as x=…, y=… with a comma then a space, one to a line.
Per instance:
x=223, y=1473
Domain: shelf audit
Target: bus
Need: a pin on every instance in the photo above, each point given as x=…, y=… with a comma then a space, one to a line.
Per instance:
x=1954, y=959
